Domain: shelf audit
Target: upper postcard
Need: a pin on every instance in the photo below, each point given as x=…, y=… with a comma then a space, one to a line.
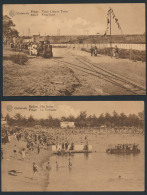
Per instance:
x=74, y=49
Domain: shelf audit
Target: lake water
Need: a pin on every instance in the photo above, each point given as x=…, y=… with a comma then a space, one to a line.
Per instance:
x=99, y=171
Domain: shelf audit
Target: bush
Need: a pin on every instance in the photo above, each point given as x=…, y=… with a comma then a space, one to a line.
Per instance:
x=85, y=49
x=19, y=58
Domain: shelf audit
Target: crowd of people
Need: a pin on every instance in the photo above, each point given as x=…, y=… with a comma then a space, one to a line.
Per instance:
x=94, y=51
x=114, y=52
x=38, y=138
x=33, y=48
x=126, y=146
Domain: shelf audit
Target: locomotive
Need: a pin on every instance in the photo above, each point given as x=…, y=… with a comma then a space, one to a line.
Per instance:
x=43, y=49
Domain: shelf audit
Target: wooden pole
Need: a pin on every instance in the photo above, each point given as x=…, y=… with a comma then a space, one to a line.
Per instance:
x=110, y=28
x=110, y=35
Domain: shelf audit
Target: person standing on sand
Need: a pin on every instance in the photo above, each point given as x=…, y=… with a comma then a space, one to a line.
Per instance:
x=23, y=152
x=35, y=170
x=38, y=149
x=48, y=168
x=57, y=166
x=95, y=51
x=116, y=52
x=91, y=51
x=15, y=152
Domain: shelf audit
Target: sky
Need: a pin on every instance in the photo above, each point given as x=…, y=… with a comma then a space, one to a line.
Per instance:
x=76, y=19
x=66, y=108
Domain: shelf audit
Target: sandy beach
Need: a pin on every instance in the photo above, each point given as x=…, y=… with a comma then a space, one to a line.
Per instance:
x=24, y=177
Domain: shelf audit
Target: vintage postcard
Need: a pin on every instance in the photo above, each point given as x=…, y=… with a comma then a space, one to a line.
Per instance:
x=72, y=146
x=74, y=49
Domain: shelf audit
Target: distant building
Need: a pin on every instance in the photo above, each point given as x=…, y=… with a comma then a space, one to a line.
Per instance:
x=66, y=124
x=38, y=38
x=27, y=39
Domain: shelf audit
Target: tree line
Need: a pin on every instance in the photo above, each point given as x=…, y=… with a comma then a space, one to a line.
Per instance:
x=8, y=28
x=82, y=120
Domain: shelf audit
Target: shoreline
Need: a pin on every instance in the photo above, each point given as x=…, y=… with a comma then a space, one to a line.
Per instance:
x=55, y=179
x=24, y=169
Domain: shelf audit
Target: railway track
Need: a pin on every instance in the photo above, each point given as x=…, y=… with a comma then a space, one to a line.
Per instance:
x=98, y=71
x=121, y=80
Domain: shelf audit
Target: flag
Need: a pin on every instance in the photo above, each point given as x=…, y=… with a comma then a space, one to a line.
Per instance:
x=108, y=20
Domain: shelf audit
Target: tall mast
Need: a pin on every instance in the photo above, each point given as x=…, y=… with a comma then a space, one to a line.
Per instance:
x=110, y=29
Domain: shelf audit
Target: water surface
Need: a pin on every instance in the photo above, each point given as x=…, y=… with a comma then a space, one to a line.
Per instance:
x=99, y=171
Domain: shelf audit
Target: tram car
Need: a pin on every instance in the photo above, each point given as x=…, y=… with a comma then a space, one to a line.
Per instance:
x=45, y=50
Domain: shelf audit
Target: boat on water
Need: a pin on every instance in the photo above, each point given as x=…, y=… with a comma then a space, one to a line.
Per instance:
x=123, y=149
x=58, y=149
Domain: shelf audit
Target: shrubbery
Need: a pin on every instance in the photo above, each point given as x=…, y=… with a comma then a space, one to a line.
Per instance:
x=19, y=58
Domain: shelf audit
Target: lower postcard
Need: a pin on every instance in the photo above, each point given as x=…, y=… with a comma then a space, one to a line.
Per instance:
x=72, y=146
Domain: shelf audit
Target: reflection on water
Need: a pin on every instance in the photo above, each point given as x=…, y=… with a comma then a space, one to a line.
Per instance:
x=99, y=171
x=86, y=155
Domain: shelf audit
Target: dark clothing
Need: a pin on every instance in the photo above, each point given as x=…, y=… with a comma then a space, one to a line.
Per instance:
x=48, y=168
x=63, y=146
x=95, y=51
x=92, y=51
x=35, y=168
x=66, y=146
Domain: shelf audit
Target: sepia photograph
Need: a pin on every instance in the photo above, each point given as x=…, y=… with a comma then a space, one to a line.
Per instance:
x=74, y=49
x=72, y=146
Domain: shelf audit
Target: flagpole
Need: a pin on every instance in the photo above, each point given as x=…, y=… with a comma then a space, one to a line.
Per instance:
x=110, y=28
x=110, y=34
